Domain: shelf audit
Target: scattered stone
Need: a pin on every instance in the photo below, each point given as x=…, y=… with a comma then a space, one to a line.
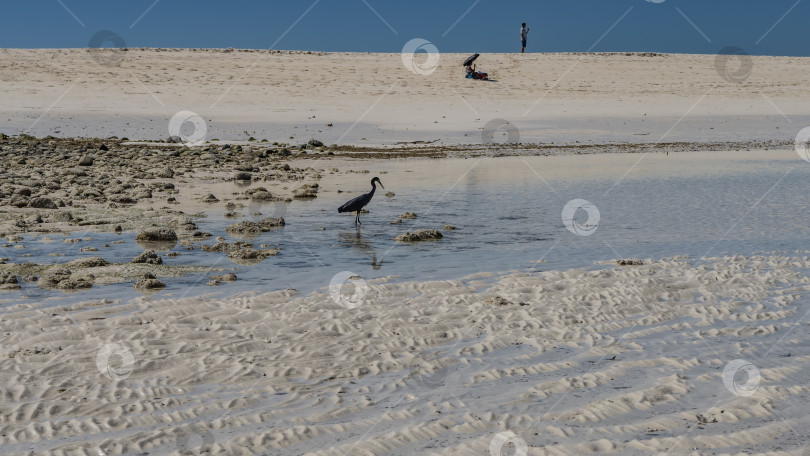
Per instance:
x=390, y=194
x=210, y=198
x=92, y=262
x=306, y=191
x=148, y=282
x=165, y=173
x=245, y=227
x=156, y=234
x=242, y=176
x=42, y=203
x=86, y=161
x=60, y=216
x=449, y=227
x=629, y=262
x=271, y=222
x=315, y=143
x=230, y=277
x=8, y=281
x=251, y=255
x=262, y=196
x=408, y=215
x=248, y=228
x=61, y=278
x=148, y=257
x=419, y=235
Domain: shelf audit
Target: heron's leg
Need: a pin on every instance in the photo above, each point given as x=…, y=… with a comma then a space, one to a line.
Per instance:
x=358, y=218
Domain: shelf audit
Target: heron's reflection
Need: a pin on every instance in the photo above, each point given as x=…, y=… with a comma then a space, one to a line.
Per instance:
x=355, y=239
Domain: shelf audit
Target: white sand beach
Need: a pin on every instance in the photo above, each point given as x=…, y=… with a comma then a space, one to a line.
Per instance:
x=548, y=97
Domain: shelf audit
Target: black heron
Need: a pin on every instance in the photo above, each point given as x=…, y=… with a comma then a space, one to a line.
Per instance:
x=357, y=204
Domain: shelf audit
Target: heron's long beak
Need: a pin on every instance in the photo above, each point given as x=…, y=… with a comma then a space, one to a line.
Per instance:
x=381, y=185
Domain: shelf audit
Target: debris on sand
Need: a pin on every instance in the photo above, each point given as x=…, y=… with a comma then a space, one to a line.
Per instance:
x=629, y=262
x=156, y=234
x=500, y=302
x=419, y=235
x=148, y=257
x=148, y=282
x=408, y=215
x=497, y=301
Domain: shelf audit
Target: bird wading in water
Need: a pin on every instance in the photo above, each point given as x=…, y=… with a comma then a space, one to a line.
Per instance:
x=357, y=204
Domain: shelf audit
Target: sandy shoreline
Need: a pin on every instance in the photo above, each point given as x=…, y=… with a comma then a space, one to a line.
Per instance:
x=373, y=99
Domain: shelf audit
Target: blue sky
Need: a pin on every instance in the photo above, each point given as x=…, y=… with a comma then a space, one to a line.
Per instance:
x=761, y=27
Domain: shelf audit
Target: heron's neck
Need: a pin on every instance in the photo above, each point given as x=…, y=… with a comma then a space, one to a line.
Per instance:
x=373, y=187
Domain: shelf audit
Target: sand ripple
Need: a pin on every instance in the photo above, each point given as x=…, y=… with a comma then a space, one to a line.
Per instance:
x=626, y=360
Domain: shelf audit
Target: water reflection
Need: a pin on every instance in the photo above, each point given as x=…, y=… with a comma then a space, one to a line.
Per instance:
x=355, y=239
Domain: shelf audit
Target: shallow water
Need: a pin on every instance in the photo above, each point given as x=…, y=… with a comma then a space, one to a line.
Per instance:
x=508, y=212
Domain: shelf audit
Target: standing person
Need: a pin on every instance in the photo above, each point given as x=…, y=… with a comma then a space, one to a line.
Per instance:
x=523, y=32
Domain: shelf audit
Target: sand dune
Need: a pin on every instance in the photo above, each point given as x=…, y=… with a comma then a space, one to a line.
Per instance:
x=626, y=360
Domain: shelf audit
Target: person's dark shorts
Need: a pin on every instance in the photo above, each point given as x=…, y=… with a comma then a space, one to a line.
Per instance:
x=524, y=42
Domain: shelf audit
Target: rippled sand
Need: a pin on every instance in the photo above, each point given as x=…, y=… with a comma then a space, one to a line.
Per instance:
x=623, y=359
